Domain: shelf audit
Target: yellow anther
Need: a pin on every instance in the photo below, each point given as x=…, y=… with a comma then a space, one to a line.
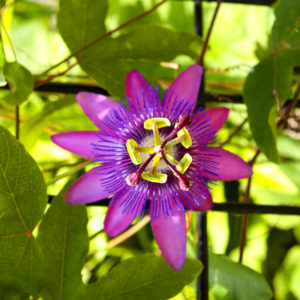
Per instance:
x=156, y=136
x=157, y=177
x=155, y=164
x=135, y=156
x=187, y=142
x=172, y=160
x=145, y=149
x=161, y=122
x=174, y=142
x=184, y=164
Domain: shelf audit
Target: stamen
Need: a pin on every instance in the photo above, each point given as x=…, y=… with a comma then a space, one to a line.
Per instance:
x=156, y=136
x=174, y=142
x=153, y=175
x=145, y=149
x=134, y=179
x=187, y=141
x=184, y=183
x=184, y=120
x=172, y=160
x=134, y=154
x=158, y=151
x=155, y=124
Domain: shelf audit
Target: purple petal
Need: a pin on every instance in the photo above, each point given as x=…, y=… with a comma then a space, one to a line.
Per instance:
x=231, y=167
x=170, y=235
x=198, y=198
x=138, y=91
x=117, y=219
x=186, y=85
x=86, y=189
x=77, y=142
x=217, y=117
x=95, y=106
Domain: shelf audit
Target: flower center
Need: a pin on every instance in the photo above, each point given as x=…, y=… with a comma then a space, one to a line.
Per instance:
x=161, y=150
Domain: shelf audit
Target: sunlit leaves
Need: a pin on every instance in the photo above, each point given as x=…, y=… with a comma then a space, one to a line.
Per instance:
x=2, y=62
x=286, y=30
x=230, y=280
x=22, y=202
x=81, y=22
x=20, y=82
x=110, y=59
x=143, y=277
x=64, y=242
x=274, y=74
x=33, y=128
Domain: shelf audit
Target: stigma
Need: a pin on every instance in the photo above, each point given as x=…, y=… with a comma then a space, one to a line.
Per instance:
x=161, y=150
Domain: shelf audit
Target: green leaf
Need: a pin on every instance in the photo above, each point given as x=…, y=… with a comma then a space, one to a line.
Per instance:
x=286, y=29
x=2, y=62
x=33, y=128
x=110, y=60
x=81, y=22
x=64, y=242
x=20, y=81
x=22, y=202
x=274, y=73
x=229, y=280
x=143, y=277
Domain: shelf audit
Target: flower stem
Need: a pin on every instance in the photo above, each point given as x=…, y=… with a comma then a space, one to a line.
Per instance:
x=73, y=170
x=237, y=130
x=128, y=233
x=201, y=59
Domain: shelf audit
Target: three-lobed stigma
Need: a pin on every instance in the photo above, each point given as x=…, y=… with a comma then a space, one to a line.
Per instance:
x=161, y=150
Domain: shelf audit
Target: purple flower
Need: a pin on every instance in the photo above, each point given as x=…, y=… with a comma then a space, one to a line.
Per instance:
x=155, y=156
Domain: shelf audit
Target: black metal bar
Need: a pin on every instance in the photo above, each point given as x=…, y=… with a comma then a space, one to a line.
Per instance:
x=256, y=209
x=202, y=248
x=251, y=2
x=202, y=254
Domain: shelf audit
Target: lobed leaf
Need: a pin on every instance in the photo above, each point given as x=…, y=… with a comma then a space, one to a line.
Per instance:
x=22, y=202
x=143, y=277
x=64, y=242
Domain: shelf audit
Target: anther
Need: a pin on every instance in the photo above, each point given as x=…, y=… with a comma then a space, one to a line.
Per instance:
x=134, y=178
x=184, y=120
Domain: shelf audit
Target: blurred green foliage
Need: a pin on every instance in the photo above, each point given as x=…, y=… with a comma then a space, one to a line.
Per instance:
x=38, y=34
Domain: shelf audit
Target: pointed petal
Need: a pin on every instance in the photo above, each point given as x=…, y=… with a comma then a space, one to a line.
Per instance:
x=231, y=167
x=185, y=86
x=77, y=142
x=140, y=96
x=86, y=189
x=217, y=116
x=95, y=106
x=170, y=235
x=118, y=217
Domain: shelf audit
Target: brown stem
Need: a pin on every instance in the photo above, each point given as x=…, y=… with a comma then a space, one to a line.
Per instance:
x=17, y=121
x=107, y=34
x=50, y=78
x=245, y=221
x=201, y=59
x=290, y=107
x=237, y=129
